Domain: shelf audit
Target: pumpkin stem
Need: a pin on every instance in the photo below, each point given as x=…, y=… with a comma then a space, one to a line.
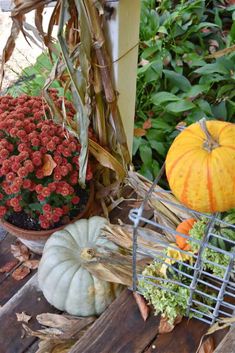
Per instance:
x=209, y=144
x=87, y=254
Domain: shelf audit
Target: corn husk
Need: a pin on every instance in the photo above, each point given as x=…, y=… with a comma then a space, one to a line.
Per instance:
x=61, y=332
x=114, y=266
x=122, y=235
x=83, y=67
x=167, y=209
x=222, y=324
x=142, y=185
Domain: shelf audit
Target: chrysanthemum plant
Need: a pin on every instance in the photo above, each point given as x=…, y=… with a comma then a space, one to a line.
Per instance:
x=39, y=164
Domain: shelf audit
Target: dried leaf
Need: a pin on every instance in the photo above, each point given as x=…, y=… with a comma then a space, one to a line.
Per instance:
x=138, y=132
x=20, y=273
x=69, y=326
x=220, y=325
x=165, y=326
x=31, y=264
x=220, y=53
x=38, y=20
x=8, y=266
x=54, y=347
x=55, y=320
x=106, y=159
x=9, y=47
x=48, y=165
x=122, y=235
x=224, y=323
x=23, y=317
x=142, y=305
x=207, y=346
x=111, y=272
x=63, y=331
x=147, y=124
x=159, y=200
x=111, y=266
x=20, y=252
x=48, y=333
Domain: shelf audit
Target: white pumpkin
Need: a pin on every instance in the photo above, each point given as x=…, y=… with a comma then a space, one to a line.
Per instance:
x=65, y=283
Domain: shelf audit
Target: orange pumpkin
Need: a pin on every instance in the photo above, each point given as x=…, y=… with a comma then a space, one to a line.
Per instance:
x=200, y=166
x=184, y=228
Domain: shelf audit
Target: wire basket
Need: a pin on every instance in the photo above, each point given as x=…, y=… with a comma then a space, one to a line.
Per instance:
x=211, y=293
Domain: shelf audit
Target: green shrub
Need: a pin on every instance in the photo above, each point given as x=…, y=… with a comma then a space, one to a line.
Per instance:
x=178, y=81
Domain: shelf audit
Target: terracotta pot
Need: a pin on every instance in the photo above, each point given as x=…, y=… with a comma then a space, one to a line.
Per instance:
x=36, y=239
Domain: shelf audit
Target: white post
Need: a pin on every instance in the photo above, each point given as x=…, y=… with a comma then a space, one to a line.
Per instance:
x=123, y=30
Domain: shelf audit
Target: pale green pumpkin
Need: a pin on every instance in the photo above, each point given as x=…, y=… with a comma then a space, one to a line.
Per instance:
x=64, y=281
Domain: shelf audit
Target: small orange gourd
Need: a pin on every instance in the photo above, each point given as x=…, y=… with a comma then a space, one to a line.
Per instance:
x=184, y=228
x=200, y=166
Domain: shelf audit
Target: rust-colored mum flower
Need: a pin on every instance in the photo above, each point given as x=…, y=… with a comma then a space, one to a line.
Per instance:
x=39, y=161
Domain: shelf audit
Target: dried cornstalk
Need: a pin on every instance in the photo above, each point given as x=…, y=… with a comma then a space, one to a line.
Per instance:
x=61, y=333
x=142, y=185
x=85, y=65
x=164, y=204
x=112, y=266
x=122, y=235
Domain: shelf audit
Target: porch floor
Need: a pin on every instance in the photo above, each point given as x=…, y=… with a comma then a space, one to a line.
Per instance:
x=120, y=329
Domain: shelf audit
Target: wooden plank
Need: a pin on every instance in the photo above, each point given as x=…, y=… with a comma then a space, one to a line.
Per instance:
x=33, y=348
x=120, y=329
x=227, y=345
x=5, y=249
x=185, y=338
x=9, y=286
x=3, y=234
x=27, y=299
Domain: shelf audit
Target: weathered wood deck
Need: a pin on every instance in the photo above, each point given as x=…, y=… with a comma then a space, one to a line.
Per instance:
x=120, y=329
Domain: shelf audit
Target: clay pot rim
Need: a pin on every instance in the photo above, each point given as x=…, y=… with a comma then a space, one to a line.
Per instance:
x=42, y=234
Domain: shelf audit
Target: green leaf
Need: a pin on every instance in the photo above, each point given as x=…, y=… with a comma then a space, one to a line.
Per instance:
x=154, y=72
x=144, y=68
x=158, y=146
x=196, y=90
x=220, y=111
x=155, y=168
x=163, y=97
x=218, y=21
x=163, y=30
x=154, y=19
x=211, y=69
x=206, y=25
x=35, y=206
x=226, y=89
x=154, y=134
x=193, y=60
x=161, y=125
x=177, y=80
x=205, y=106
x=232, y=31
x=149, y=51
x=145, y=153
x=146, y=171
x=136, y=144
x=194, y=115
x=180, y=106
